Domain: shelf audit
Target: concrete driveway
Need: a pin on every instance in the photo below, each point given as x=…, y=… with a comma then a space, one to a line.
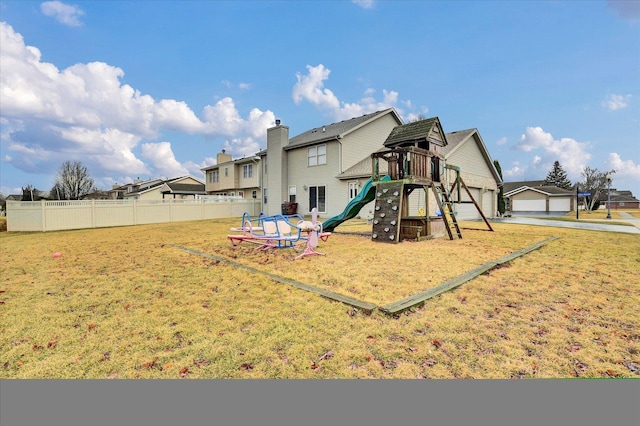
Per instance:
x=586, y=224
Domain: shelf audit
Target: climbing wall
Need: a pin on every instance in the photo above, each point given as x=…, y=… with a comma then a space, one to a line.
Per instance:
x=386, y=216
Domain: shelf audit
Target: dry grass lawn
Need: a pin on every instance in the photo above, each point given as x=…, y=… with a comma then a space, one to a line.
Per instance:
x=126, y=303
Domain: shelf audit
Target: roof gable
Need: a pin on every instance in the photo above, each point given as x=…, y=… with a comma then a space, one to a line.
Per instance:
x=461, y=137
x=183, y=188
x=427, y=131
x=510, y=186
x=551, y=191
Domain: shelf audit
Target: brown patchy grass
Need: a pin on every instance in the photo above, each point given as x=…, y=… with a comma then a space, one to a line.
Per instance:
x=125, y=303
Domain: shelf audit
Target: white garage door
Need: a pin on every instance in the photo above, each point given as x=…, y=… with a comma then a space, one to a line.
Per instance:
x=529, y=205
x=468, y=211
x=559, y=204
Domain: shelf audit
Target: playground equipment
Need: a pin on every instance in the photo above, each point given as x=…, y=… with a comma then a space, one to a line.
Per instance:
x=365, y=196
x=412, y=162
x=279, y=231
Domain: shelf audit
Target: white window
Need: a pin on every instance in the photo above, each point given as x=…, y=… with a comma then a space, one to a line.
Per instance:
x=214, y=176
x=317, y=155
x=226, y=171
x=247, y=171
x=317, y=198
x=254, y=194
x=264, y=195
x=241, y=194
x=353, y=190
x=292, y=194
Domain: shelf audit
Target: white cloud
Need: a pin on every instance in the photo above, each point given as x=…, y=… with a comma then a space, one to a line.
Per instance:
x=614, y=102
x=64, y=13
x=310, y=88
x=163, y=160
x=365, y=4
x=571, y=154
x=515, y=172
x=195, y=168
x=623, y=168
x=244, y=86
x=85, y=112
x=501, y=141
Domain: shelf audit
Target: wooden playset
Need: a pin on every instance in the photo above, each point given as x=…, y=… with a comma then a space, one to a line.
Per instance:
x=413, y=162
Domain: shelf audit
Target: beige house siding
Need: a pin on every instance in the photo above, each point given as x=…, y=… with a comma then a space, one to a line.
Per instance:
x=233, y=180
x=228, y=177
x=302, y=175
x=477, y=175
x=340, y=156
x=366, y=139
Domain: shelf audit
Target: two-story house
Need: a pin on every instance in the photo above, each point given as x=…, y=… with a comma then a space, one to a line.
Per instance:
x=233, y=178
x=305, y=168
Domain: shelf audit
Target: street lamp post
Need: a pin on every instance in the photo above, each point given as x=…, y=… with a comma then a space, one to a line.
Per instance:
x=608, y=195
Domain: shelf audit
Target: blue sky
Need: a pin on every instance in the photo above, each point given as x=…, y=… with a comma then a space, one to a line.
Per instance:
x=156, y=88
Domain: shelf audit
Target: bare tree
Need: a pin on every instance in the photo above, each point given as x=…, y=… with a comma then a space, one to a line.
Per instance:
x=594, y=182
x=73, y=182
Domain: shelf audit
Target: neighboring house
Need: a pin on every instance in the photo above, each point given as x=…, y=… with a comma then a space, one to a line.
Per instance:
x=183, y=187
x=535, y=197
x=120, y=192
x=233, y=178
x=98, y=194
x=620, y=200
x=307, y=168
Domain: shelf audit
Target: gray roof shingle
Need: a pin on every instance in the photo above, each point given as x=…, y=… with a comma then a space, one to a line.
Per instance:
x=332, y=131
x=415, y=131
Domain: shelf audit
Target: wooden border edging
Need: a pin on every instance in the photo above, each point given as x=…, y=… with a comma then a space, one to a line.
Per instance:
x=416, y=299
x=367, y=307
x=392, y=308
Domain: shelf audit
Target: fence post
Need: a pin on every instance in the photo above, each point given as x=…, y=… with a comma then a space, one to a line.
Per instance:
x=44, y=216
x=93, y=213
x=135, y=211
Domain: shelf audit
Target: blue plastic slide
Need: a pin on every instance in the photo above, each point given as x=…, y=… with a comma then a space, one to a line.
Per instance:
x=366, y=195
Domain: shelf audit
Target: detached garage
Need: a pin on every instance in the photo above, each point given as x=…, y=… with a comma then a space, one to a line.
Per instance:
x=539, y=199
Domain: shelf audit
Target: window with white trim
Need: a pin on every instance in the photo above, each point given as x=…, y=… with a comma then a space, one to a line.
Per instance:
x=317, y=155
x=247, y=171
x=214, y=176
x=292, y=194
x=353, y=190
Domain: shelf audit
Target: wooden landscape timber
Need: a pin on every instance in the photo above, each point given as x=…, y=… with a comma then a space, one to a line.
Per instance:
x=392, y=308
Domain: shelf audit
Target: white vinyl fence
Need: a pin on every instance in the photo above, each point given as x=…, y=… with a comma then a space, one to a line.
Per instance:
x=42, y=216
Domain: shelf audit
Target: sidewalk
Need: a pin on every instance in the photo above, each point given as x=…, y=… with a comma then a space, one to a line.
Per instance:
x=576, y=225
